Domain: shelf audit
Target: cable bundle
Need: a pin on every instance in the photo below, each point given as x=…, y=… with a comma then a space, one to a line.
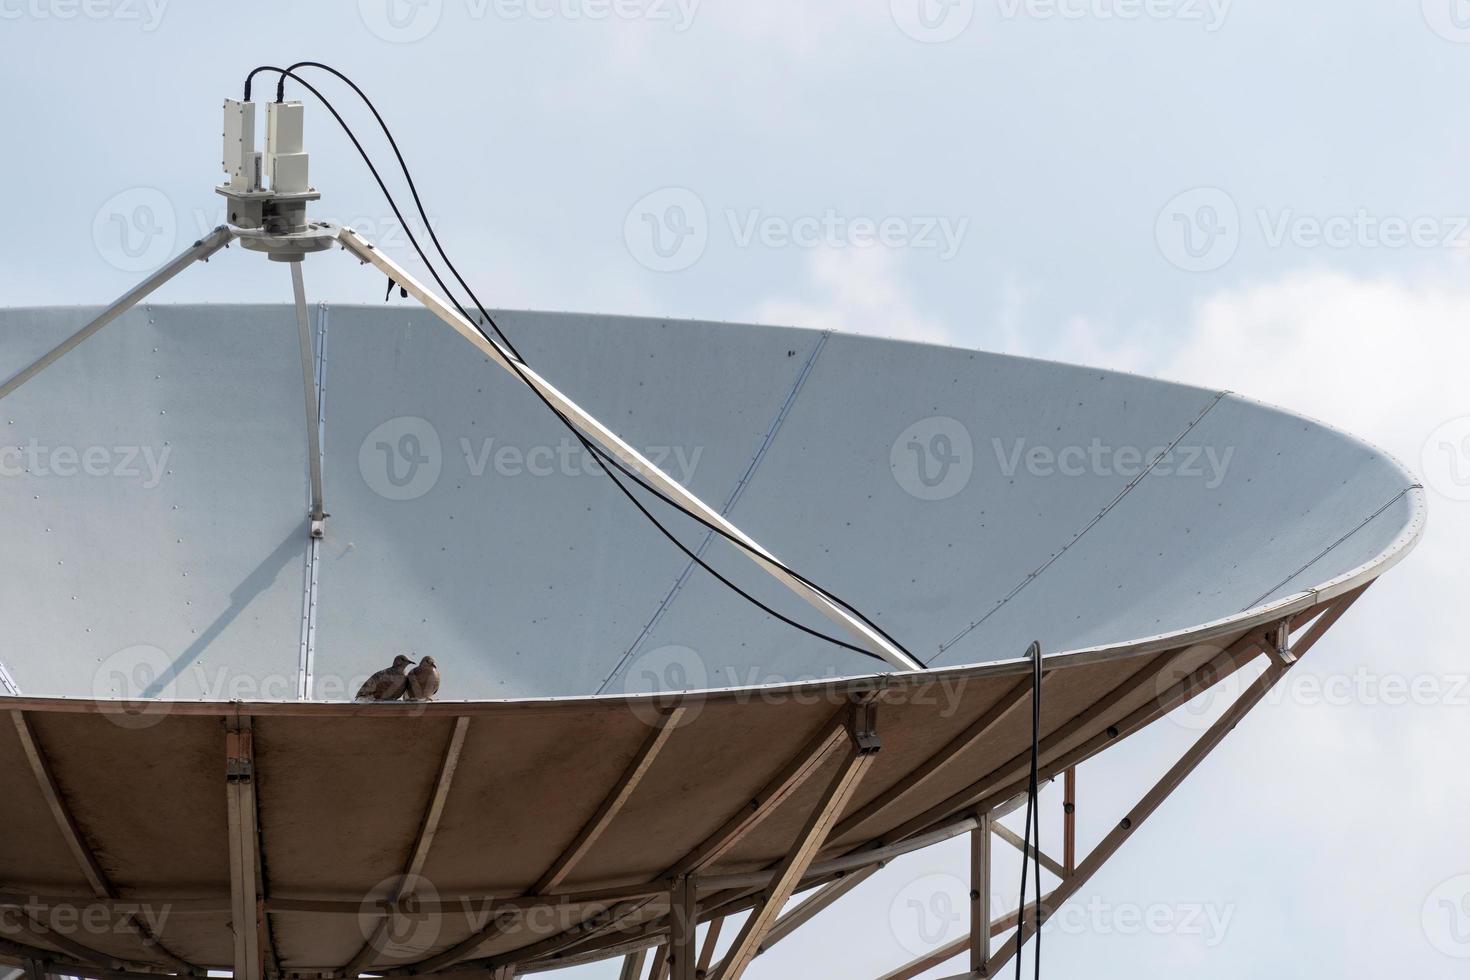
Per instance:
x=607, y=462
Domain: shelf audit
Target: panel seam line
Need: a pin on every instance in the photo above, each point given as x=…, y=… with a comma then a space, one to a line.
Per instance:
x=1331, y=547
x=740, y=486
x=1127, y=489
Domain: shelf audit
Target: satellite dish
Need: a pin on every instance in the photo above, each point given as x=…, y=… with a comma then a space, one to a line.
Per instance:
x=202, y=568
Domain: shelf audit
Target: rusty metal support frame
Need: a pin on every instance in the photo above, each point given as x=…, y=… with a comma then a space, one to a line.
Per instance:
x=800, y=768
x=851, y=733
x=1073, y=875
x=806, y=763
x=707, y=951
x=683, y=929
x=403, y=890
x=36, y=963
x=818, y=902
x=1014, y=839
x=247, y=904
x=76, y=842
x=613, y=803
x=633, y=965
x=621, y=920
x=660, y=963
x=1069, y=822
x=853, y=725
x=855, y=758
x=994, y=793
x=981, y=849
x=1008, y=702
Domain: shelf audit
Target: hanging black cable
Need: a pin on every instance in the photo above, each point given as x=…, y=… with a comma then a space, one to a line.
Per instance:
x=515, y=360
x=1031, y=839
x=571, y=427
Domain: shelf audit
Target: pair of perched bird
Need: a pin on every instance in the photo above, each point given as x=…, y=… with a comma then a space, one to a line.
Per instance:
x=397, y=681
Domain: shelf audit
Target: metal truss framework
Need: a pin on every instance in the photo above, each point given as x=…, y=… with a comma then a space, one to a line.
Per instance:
x=984, y=959
x=841, y=752
x=633, y=919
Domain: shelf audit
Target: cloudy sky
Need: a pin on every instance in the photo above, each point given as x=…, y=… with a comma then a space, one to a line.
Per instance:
x=1261, y=196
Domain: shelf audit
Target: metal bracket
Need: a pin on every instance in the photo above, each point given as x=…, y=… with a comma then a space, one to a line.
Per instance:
x=239, y=770
x=1278, y=643
x=864, y=728
x=239, y=757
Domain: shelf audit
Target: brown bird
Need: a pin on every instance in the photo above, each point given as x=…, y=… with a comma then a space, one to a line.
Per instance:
x=423, y=681
x=387, y=684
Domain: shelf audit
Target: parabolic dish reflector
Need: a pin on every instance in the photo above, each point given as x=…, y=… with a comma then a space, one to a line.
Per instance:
x=1153, y=537
x=969, y=502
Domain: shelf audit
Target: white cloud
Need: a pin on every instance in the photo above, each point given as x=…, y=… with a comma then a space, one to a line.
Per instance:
x=1385, y=359
x=855, y=290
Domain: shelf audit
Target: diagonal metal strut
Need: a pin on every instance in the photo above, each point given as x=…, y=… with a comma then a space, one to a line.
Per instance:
x=614, y=444
x=198, y=252
x=308, y=377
